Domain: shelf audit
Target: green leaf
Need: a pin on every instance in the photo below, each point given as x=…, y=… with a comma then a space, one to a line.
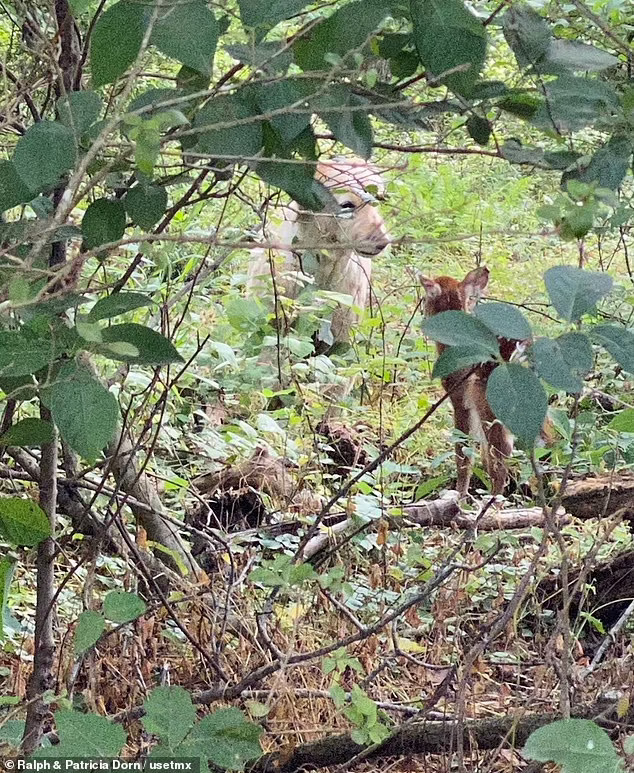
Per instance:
x=579, y=57
x=123, y=607
x=513, y=150
x=345, y=31
x=7, y=570
x=574, y=103
x=79, y=6
x=44, y=154
x=623, y=422
x=278, y=95
x=226, y=738
x=28, y=433
x=121, y=349
x=116, y=41
x=504, y=320
x=23, y=522
x=578, y=745
x=103, y=222
x=79, y=110
x=447, y=36
x=575, y=292
x=170, y=714
x=241, y=139
x=12, y=732
x=618, y=341
x=22, y=356
x=458, y=357
x=187, y=32
x=577, y=222
x=298, y=181
x=146, y=205
x=349, y=122
x=270, y=57
x=519, y=401
x=456, y=328
x=190, y=80
x=255, y=13
x=89, y=331
x=479, y=129
x=90, y=626
x=152, y=347
x=118, y=303
x=13, y=191
x=84, y=411
x=22, y=387
x=85, y=735
x=527, y=34
x=522, y=105
x=562, y=361
x=609, y=164
x=299, y=573
x=245, y=314
x=147, y=147
x=153, y=99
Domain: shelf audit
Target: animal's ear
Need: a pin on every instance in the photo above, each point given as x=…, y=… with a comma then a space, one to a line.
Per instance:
x=474, y=286
x=432, y=288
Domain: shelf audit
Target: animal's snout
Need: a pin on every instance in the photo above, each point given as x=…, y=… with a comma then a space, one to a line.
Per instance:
x=376, y=244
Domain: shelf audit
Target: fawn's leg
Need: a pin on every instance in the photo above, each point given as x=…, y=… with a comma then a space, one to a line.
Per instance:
x=499, y=449
x=462, y=421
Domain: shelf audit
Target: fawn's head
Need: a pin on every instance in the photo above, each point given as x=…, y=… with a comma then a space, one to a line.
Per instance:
x=355, y=185
x=447, y=294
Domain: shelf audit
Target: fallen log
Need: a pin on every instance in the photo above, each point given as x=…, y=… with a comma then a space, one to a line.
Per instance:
x=416, y=738
x=444, y=512
x=600, y=496
x=612, y=588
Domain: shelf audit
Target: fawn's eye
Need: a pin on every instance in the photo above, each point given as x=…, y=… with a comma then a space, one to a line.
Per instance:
x=348, y=205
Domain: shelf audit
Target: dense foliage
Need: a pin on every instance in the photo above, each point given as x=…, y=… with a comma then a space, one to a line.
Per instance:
x=144, y=146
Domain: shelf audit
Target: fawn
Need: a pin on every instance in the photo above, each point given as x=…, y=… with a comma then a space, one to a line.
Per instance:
x=472, y=413
x=350, y=235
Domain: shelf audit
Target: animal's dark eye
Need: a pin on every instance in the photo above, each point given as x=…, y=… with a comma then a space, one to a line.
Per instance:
x=348, y=205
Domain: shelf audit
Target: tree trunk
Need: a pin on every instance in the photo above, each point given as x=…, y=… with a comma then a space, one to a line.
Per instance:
x=41, y=678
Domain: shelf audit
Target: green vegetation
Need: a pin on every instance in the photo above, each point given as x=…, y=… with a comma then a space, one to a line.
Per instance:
x=194, y=512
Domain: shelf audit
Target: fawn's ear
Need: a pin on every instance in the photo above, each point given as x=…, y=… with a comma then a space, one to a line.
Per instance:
x=474, y=286
x=432, y=289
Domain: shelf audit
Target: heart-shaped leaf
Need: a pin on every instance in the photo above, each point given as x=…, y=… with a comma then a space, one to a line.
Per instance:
x=504, y=320
x=519, y=401
x=456, y=358
x=44, y=154
x=187, y=32
x=438, y=25
x=84, y=411
x=90, y=626
x=103, y=222
x=22, y=521
x=122, y=607
x=456, y=328
x=146, y=205
x=575, y=292
x=116, y=40
x=27, y=433
x=152, y=347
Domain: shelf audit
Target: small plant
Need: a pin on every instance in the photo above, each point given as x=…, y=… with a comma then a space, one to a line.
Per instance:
x=577, y=746
x=224, y=739
x=363, y=713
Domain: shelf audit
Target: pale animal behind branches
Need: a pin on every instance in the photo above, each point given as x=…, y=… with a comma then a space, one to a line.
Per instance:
x=330, y=250
x=472, y=412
